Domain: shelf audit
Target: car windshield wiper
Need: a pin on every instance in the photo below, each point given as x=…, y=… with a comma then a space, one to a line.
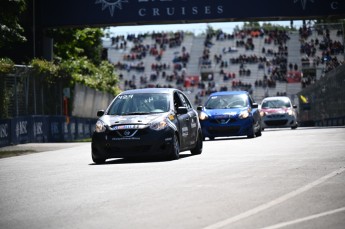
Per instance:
x=136, y=113
x=233, y=107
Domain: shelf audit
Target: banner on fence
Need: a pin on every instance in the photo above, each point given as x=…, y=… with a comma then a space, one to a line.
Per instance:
x=29, y=129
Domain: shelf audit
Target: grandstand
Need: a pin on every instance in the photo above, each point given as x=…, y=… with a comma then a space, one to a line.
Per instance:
x=265, y=63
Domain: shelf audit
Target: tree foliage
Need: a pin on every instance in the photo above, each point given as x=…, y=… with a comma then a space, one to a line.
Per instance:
x=6, y=65
x=100, y=77
x=11, y=32
x=80, y=70
x=74, y=43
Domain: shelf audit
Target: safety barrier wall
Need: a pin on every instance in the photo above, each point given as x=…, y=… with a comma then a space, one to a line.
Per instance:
x=87, y=101
x=338, y=121
x=30, y=129
x=324, y=101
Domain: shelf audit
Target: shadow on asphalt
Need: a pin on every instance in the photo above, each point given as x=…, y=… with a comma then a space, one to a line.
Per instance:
x=228, y=139
x=303, y=128
x=138, y=160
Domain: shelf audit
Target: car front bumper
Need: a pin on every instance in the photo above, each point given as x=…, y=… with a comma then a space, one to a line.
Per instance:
x=278, y=121
x=239, y=127
x=147, y=143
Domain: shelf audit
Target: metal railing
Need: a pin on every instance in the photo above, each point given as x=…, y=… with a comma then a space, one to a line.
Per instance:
x=24, y=93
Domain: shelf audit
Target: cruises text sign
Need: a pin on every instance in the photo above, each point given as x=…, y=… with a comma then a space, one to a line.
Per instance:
x=52, y=13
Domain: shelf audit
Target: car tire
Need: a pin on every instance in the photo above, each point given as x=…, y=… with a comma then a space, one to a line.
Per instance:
x=198, y=147
x=97, y=157
x=294, y=127
x=259, y=128
x=175, y=149
x=98, y=160
x=251, y=133
x=258, y=134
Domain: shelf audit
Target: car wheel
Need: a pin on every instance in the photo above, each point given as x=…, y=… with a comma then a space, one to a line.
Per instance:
x=258, y=134
x=175, y=149
x=198, y=147
x=98, y=160
x=97, y=157
x=251, y=133
x=259, y=128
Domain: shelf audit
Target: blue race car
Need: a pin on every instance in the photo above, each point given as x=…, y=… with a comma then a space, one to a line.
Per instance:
x=230, y=113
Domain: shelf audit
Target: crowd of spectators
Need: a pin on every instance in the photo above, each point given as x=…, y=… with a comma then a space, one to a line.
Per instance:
x=239, y=85
x=160, y=66
x=273, y=61
x=134, y=59
x=130, y=66
x=266, y=82
x=248, y=59
x=319, y=49
x=168, y=40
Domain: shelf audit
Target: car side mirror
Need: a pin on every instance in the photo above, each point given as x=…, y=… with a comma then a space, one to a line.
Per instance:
x=199, y=108
x=255, y=105
x=182, y=110
x=100, y=113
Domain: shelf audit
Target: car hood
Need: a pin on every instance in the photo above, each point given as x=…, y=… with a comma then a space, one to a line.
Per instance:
x=275, y=110
x=223, y=113
x=112, y=120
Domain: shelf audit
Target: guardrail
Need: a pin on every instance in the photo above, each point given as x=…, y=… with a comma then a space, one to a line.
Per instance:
x=40, y=128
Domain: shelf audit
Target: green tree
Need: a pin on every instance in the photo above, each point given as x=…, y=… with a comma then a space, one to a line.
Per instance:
x=11, y=32
x=74, y=43
x=79, y=54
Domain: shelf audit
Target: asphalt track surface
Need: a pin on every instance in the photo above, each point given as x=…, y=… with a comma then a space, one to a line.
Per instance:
x=284, y=179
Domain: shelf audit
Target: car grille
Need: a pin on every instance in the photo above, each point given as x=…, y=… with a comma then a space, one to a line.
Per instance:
x=223, y=130
x=127, y=133
x=276, y=116
x=127, y=149
x=276, y=122
x=223, y=121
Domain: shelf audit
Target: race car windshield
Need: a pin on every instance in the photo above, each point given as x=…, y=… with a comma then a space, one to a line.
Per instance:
x=227, y=102
x=140, y=104
x=276, y=104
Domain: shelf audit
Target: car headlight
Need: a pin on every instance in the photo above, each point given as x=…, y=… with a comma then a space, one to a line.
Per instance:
x=203, y=116
x=290, y=112
x=244, y=114
x=159, y=125
x=100, y=127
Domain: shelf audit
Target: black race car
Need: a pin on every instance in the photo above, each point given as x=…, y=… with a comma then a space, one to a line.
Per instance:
x=147, y=122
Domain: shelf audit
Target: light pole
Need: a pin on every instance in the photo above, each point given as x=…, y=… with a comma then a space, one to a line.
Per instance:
x=34, y=27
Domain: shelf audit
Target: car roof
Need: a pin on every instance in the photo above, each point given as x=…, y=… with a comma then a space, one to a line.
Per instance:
x=150, y=90
x=276, y=98
x=229, y=93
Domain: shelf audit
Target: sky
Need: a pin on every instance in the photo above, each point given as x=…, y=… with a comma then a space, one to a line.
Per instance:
x=196, y=28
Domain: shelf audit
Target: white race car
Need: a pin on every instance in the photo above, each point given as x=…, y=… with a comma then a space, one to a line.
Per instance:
x=278, y=112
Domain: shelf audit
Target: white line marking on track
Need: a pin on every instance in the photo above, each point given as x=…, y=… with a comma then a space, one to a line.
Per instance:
x=280, y=225
x=272, y=203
